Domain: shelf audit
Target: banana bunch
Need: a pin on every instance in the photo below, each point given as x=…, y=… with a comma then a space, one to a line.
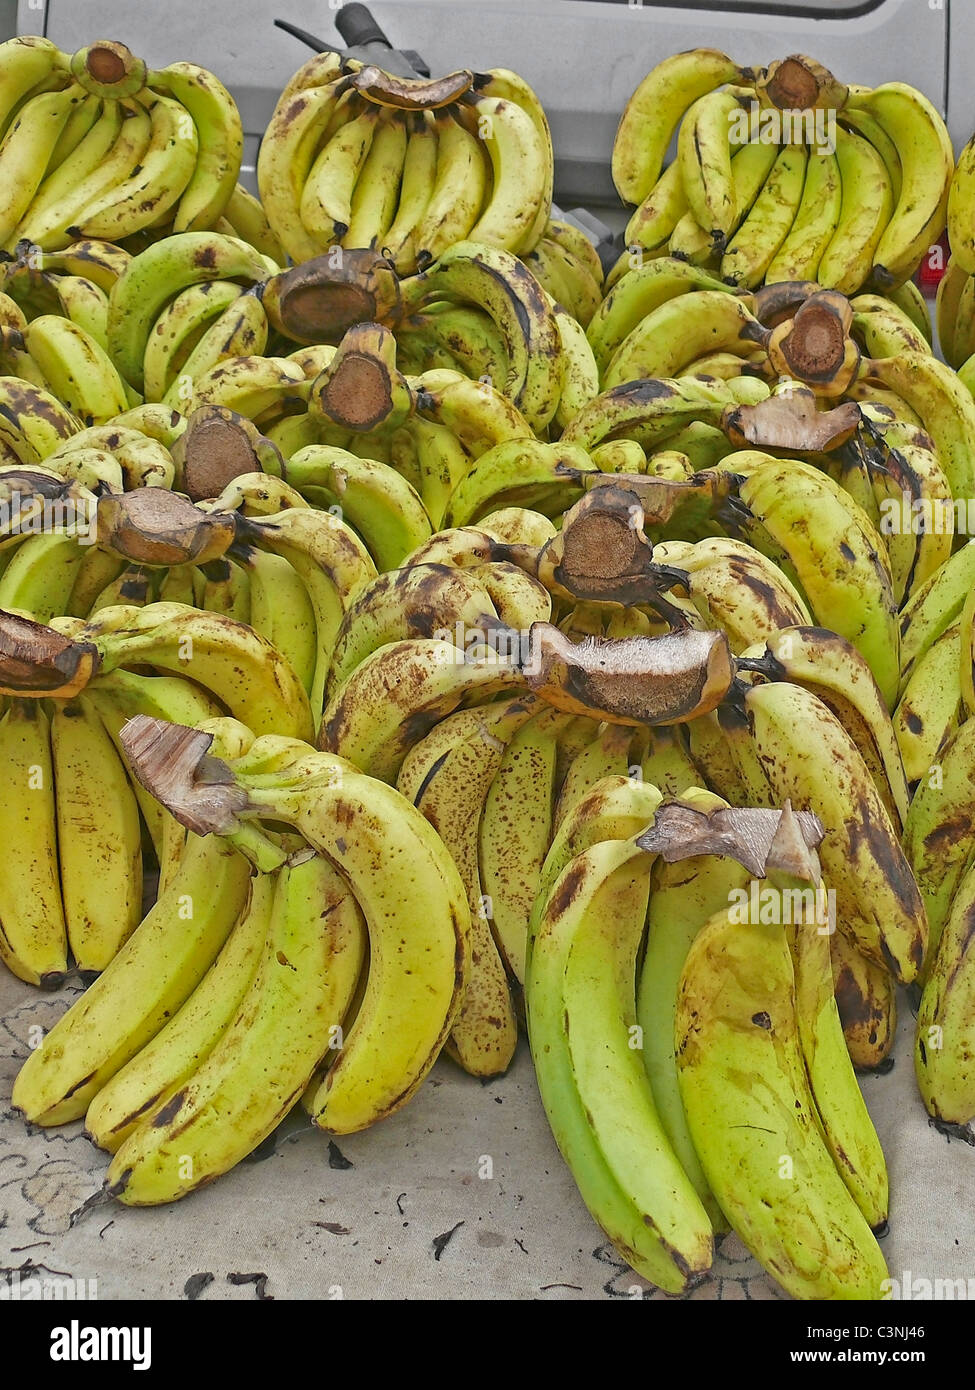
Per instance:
x=97, y=144
x=783, y=174
x=372, y=1016
x=476, y=312
x=183, y=308
x=630, y=1055
x=357, y=157
x=74, y=804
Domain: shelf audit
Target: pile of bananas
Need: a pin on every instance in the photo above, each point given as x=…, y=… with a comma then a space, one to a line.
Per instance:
x=356, y=157
x=783, y=173
x=426, y=641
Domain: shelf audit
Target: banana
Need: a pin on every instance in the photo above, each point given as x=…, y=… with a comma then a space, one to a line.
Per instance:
x=547, y=477
x=120, y=696
x=909, y=299
x=220, y=141
x=581, y=1009
x=99, y=843
x=97, y=570
x=521, y=165
x=866, y=205
x=755, y=244
x=934, y=606
x=467, y=335
x=565, y=278
x=516, y=828
x=704, y=155
x=377, y=188
x=945, y=408
x=240, y=331
x=450, y=796
x=441, y=462
x=636, y=295
x=870, y=128
x=26, y=63
x=50, y=228
x=456, y=192
x=667, y=762
x=26, y=150
x=77, y=368
x=679, y=331
x=843, y=552
x=501, y=285
x=40, y=577
x=334, y=567
x=683, y=897
x=655, y=109
x=44, y=214
x=281, y=609
x=414, y=601
x=846, y=1124
x=33, y=936
x=415, y=186
x=285, y=159
x=927, y=162
x=238, y=667
x=866, y=997
x=250, y=385
x=179, y=326
x=737, y=1016
x=654, y=221
x=938, y=838
x=816, y=219
x=960, y=212
x=606, y=755
x=943, y=1038
x=959, y=343
x=155, y=421
x=809, y=759
x=171, y=1058
x=832, y=669
x=326, y=200
x=917, y=521
x=226, y=589
x=259, y=1067
x=884, y=330
x=508, y=86
x=691, y=242
x=737, y=589
x=155, y=186
x=157, y=275
x=143, y=460
x=399, y=692
x=931, y=706
x=380, y=504
x=474, y=412
x=245, y=218
x=84, y=303
x=156, y=970
x=653, y=411
x=580, y=379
